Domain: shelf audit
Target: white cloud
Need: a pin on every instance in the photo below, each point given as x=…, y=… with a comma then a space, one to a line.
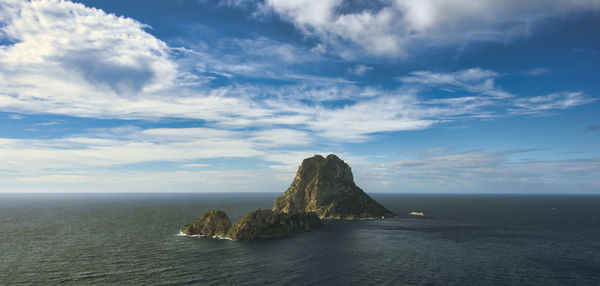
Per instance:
x=391, y=28
x=72, y=60
x=478, y=171
x=59, y=45
x=195, y=165
x=361, y=69
x=177, y=181
x=436, y=170
x=489, y=100
x=537, y=71
x=473, y=80
x=105, y=160
x=551, y=101
x=173, y=145
x=354, y=123
x=67, y=59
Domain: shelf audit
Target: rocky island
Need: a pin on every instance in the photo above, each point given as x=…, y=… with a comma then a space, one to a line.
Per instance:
x=326, y=186
x=323, y=188
x=212, y=223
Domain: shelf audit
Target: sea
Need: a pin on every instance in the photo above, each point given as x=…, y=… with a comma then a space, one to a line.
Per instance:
x=134, y=239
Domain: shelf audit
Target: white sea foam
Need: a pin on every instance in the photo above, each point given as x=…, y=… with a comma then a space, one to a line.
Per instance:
x=199, y=235
x=222, y=237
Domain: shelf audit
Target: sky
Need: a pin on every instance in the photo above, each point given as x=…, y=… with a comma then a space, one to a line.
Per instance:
x=418, y=96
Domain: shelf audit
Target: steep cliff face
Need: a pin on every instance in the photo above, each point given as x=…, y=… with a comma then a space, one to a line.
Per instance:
x=212, y=223
x=326, y=186
x=261, y=224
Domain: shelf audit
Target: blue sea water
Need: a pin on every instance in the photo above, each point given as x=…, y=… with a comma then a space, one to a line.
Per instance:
x=132, y=239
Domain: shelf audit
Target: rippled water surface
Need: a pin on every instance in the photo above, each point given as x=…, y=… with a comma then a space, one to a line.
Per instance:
x=131, y=239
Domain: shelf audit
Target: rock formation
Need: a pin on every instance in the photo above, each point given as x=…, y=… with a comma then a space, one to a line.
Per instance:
x=259, y=224
x=212, y=223
x=323, y=188
x=262, y=224
x=326, y=186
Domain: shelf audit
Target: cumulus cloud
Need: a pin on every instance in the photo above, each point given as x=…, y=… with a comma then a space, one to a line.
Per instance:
x=392, y=27
x=58, y=44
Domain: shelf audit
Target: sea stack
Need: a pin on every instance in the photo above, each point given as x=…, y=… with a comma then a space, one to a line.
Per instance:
x=326, y=186
x=323, y=188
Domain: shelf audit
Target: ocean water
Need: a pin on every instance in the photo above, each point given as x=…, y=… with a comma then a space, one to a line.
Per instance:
x=132, y=239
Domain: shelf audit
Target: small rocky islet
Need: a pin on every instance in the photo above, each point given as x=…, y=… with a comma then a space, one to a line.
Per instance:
x=323, y=188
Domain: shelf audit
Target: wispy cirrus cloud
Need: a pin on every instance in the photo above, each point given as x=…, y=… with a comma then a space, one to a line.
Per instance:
x=481, y=92
x=474, y=80
x=551, y=101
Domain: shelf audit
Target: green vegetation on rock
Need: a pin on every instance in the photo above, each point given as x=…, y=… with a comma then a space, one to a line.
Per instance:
x=261, y=224
x=212, y=223
x=326, y=186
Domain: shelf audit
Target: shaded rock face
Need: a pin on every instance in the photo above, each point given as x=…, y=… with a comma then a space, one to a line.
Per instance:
x=261, y=224
x=212, y=223
x=326, y=186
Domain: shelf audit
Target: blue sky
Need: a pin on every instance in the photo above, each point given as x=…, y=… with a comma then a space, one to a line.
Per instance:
x=218, y=96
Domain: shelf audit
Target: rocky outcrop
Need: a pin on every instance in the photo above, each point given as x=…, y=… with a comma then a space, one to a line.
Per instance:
x=323, y=188
x=326, y=186
x=261, y=224
x=212, y=223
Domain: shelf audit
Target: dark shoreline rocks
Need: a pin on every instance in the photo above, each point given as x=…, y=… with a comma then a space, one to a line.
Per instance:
x=262, y=224
x=259, y=224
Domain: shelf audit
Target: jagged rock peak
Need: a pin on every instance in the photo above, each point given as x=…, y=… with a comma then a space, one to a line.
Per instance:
x=326, y=186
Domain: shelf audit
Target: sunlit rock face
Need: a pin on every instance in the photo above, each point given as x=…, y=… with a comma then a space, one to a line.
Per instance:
x=326, y=186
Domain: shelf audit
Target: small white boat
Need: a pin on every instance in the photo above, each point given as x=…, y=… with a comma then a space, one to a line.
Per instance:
x=416, y=213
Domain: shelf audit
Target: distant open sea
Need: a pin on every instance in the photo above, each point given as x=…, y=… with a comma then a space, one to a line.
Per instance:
x=132, y=239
